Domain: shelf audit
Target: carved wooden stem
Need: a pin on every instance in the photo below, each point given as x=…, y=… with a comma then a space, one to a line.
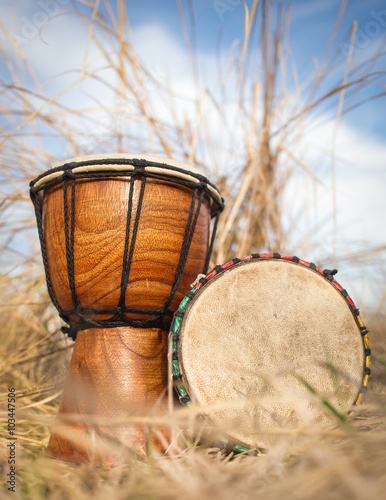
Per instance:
x=115, y=374
x=119, y=373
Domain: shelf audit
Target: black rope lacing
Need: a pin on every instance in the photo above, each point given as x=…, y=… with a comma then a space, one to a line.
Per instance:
x=158, y=317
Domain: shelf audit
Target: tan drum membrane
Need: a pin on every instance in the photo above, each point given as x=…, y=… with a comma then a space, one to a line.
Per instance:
x=259, y=339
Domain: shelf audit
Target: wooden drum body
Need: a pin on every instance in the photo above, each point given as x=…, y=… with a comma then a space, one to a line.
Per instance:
x=122, y=239
x=266, y=345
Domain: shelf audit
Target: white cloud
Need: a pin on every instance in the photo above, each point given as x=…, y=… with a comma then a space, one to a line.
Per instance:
x=360, y=183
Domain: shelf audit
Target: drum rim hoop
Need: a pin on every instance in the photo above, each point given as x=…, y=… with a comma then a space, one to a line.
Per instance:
x=120, y=162
x=178, y=317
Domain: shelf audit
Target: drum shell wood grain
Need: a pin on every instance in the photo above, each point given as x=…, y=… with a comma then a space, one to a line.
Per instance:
x=101, y=211
x=115, y=375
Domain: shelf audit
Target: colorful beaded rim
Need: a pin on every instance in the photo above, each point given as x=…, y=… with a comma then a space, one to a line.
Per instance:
x=179, y=314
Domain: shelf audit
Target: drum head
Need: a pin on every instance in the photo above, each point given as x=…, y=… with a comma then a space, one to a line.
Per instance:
x=122, y=162
x=268, y=343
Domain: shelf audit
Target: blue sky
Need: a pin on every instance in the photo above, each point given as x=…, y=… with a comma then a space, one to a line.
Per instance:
x=218, y=24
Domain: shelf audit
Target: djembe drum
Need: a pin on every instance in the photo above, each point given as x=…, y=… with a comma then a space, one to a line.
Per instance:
x=122, y=239
x=268, y=343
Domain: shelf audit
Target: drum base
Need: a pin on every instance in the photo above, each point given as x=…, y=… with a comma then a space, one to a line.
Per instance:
x=116, y=381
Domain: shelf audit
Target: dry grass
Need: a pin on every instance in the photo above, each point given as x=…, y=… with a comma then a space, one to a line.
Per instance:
x=309, y=464
x=39, y=127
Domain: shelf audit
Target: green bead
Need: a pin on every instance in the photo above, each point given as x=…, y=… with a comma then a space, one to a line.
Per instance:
x=176, y=324
x=183, y=304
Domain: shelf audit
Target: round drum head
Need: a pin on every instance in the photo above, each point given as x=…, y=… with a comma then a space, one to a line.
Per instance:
x=266, y=343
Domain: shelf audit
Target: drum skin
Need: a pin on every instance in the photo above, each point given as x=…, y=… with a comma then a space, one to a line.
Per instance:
x=268, y=345
x=101, y=207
